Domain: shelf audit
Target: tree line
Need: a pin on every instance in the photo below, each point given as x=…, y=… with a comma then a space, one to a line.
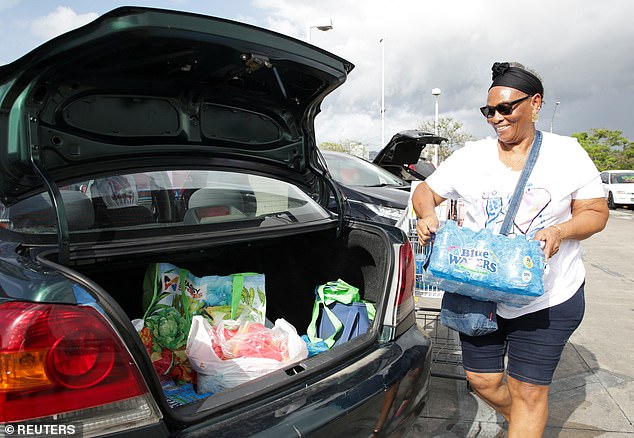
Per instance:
x=609, y=149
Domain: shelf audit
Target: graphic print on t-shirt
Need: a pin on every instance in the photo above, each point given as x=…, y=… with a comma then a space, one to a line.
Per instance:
x=528, y=219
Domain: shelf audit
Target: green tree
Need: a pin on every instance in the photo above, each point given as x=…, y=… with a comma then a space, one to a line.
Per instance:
x=608, y=149
x=348, y=146
x=332, y=146
x=627, y=156
x=449, y=128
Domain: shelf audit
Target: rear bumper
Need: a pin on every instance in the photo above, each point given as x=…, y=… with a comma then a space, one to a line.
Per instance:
x=385, y=389
x=623, y=199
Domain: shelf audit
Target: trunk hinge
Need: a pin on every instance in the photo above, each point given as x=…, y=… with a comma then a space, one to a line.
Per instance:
x=63, y=237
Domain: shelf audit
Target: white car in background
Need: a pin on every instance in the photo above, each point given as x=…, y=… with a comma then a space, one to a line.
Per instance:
x=618, y=186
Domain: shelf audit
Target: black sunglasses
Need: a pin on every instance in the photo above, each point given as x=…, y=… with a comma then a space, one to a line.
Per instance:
x=504, y=108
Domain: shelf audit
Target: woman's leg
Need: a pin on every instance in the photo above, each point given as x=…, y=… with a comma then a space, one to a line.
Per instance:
x=529, y=409
x=523, y=405
x=492, y=388
x=534, y=343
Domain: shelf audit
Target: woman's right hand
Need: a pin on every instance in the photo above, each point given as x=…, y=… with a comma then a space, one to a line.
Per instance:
x=425, y=227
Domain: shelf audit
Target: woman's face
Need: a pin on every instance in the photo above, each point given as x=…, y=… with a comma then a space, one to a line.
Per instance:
x=517, y=126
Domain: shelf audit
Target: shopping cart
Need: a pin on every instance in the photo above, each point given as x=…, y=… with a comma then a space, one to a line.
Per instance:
x=446, y=351
x=446, y=356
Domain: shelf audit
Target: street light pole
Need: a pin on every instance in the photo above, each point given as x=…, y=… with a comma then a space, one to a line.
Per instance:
x=553, y=117
x=436, y=92
x=382, y=92
x=322, y=24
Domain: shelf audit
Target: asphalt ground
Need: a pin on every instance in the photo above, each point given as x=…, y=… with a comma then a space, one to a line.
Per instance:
x=592, y=394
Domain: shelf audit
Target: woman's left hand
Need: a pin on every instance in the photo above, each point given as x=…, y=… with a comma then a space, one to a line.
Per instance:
x=551, y=236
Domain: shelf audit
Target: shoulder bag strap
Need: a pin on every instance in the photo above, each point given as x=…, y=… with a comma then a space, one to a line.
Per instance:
x=507, y=225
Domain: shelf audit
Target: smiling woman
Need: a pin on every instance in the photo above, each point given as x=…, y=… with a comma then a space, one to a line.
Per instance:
x=562, y=203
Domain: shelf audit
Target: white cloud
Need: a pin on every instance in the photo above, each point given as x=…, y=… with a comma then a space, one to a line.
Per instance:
x=59, y=21
x=581, y=49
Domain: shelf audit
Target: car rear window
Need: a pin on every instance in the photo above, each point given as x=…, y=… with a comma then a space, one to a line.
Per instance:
x=623, y=178
x=154, y=199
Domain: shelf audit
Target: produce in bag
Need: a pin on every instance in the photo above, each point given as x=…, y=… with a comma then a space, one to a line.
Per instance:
x=174, y=295
x=235, y=352
x=164, y=335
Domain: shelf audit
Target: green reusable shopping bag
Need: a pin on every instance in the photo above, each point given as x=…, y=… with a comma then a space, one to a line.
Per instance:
x=327, y=295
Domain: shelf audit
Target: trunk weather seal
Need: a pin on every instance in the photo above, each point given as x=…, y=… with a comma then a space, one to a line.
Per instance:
x=340, y=205
x=63, y=237
x=339, y=198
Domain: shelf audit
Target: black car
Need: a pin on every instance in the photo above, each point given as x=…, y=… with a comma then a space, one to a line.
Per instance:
x=379, y=191
x=372, y=193
x=151, y=136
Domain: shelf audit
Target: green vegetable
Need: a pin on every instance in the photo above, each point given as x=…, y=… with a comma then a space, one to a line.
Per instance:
x=169, y=329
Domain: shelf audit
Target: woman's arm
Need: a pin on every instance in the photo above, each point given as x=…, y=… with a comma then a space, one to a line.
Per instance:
x=589, y=216
x=424, y=202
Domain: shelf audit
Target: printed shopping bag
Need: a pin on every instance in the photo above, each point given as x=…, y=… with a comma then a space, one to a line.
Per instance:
x=217, y=296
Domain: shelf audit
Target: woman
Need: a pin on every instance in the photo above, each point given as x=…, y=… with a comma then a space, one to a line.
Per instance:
x=562, y=204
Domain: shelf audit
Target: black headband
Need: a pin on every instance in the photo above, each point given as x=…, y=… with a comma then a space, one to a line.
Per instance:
x=514, y=77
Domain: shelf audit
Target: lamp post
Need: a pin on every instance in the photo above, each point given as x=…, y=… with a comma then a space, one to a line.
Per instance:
x=382, y=92
x=553, y=117
x=322, y=24
x=436, y=92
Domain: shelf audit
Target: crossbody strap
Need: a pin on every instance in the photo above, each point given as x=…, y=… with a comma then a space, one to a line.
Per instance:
x=507, y=225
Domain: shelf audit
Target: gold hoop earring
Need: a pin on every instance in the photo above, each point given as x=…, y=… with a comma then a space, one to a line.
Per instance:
x=535, y=117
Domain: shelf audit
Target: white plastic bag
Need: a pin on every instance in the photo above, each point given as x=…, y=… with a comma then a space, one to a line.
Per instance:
x=216, y=374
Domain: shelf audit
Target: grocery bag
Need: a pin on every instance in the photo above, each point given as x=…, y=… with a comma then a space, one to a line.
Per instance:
x=173, y=295
x=217, y=296
x=341, y=313
x=486, y=266
x=235, y=352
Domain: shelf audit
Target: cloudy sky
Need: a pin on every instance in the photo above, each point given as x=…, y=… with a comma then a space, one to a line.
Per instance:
x=584, y=51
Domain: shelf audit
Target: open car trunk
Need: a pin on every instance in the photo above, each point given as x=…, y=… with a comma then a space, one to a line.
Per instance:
x=293, y=266
x=152, y=137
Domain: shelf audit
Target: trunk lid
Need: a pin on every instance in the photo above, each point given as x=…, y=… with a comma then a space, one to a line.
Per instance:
x=403, y=149
x=140, y=87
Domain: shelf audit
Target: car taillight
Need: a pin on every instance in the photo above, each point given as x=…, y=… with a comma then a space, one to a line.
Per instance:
x=407, y=273
x=404, y=305
x=59, y=358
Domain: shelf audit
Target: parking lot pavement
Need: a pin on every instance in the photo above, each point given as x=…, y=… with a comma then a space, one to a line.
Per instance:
x=591, y=395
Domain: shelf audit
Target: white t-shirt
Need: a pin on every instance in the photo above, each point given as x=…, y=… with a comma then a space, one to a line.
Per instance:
x=563, y=171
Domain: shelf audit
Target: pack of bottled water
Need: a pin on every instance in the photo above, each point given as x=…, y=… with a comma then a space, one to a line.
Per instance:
x=485, y=266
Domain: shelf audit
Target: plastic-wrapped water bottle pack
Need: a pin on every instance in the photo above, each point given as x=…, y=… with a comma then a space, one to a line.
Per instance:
x=485, y=266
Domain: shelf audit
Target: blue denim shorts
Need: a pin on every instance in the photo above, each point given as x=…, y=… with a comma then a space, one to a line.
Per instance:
x=532, y=342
